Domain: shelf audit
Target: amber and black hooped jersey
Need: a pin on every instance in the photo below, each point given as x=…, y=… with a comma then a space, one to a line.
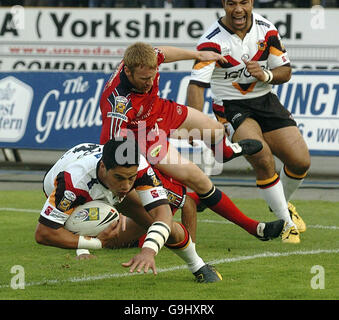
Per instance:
x=231, y=80
x=73, y=181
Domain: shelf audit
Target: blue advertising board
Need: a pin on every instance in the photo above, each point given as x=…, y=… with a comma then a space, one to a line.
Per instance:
x=56, y=110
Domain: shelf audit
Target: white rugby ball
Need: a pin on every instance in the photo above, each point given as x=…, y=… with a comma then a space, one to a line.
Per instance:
x=91, y=218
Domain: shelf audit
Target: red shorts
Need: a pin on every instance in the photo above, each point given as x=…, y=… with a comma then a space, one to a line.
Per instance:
x=153, y=140
x=176, y=192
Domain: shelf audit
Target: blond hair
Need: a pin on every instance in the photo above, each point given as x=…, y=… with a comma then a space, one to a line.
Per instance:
x=140, y=54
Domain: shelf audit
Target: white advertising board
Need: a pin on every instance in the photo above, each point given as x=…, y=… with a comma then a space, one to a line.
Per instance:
x=89, y=39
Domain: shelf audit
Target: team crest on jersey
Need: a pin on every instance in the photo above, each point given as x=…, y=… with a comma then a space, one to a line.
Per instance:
x=121, y=104
x=262, y=45
x=67, y=200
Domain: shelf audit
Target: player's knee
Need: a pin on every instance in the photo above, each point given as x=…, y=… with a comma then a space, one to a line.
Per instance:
x=177, y=234
x=304, y=167
x=262, y=161
x=299, y=164
x=299, y=167
x=197, y=180
x=218, y=131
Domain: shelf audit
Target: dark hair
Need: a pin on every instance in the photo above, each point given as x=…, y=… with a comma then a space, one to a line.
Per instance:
x=120, y=151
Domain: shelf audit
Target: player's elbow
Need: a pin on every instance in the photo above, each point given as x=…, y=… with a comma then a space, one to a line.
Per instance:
x=288, y=74
x=41, y=235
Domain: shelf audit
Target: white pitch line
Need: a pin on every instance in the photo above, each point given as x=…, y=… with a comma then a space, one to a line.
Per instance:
x=20, y=210
x=316, y=226
x=162, y=270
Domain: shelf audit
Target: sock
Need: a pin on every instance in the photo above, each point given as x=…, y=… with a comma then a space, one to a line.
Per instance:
x=290, y=181
x=273, y=193
x=221, y=204
x=185, y=249
x=222, y=151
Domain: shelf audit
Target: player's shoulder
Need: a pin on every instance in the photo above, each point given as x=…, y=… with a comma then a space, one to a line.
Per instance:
x=214, y=38
x=86, y=149
x=261, y=22
x=82, y=159
x=212, y=33
x=114, y=79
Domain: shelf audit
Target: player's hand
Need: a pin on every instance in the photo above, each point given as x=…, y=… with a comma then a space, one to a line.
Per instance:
x=255, y=70
x=112, y=231
x=142, y=261
x=211, y=56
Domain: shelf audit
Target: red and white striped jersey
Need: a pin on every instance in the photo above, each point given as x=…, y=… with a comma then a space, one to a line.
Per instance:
x=231, y=80
x=73, y=181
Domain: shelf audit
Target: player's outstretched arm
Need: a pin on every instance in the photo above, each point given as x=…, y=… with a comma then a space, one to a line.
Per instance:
x=59, y=237
x=63, y=238
x=176, y=54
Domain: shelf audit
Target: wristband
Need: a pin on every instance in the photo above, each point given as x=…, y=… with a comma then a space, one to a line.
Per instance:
x=92, y=243
x=79, y=252
x=157, y=235
x=268, y=76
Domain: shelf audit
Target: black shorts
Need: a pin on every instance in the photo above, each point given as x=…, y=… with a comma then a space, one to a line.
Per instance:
x=266, y=110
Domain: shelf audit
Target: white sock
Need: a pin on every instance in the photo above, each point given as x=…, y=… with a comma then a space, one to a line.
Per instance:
x=290, y=184
x=190, y=256
x=275, y=198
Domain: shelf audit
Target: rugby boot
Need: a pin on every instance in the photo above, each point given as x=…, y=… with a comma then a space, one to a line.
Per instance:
x=270, y=230
x=224, y=152
x=290, y=235
x=207, y=274
x=297, y=220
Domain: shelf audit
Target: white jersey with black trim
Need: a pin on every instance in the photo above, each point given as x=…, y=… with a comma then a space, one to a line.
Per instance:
x=73, y=181
x=231, y=80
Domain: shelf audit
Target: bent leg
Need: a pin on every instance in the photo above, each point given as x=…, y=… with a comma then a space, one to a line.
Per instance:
x=263, y=163
x=293, y=152
x=193, y=177
x=189, y=217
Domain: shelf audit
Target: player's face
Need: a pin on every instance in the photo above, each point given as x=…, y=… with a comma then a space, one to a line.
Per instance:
x=142, y=78
x=119, y=180
x=238, y=14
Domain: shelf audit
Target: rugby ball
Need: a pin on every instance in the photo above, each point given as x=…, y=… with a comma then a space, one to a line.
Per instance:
x=91, y=218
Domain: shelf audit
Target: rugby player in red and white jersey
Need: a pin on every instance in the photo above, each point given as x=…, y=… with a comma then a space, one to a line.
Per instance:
x=242, y=96
x=115, y=173
x=130, y=105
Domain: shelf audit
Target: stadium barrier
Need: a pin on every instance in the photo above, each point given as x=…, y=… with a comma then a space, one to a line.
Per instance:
x=56, y=110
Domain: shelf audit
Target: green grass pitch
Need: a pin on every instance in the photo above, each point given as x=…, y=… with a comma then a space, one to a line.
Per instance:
x=251, y=269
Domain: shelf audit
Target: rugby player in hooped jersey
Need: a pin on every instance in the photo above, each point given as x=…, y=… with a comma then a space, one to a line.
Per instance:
x=242, y=98
x=116, y=173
